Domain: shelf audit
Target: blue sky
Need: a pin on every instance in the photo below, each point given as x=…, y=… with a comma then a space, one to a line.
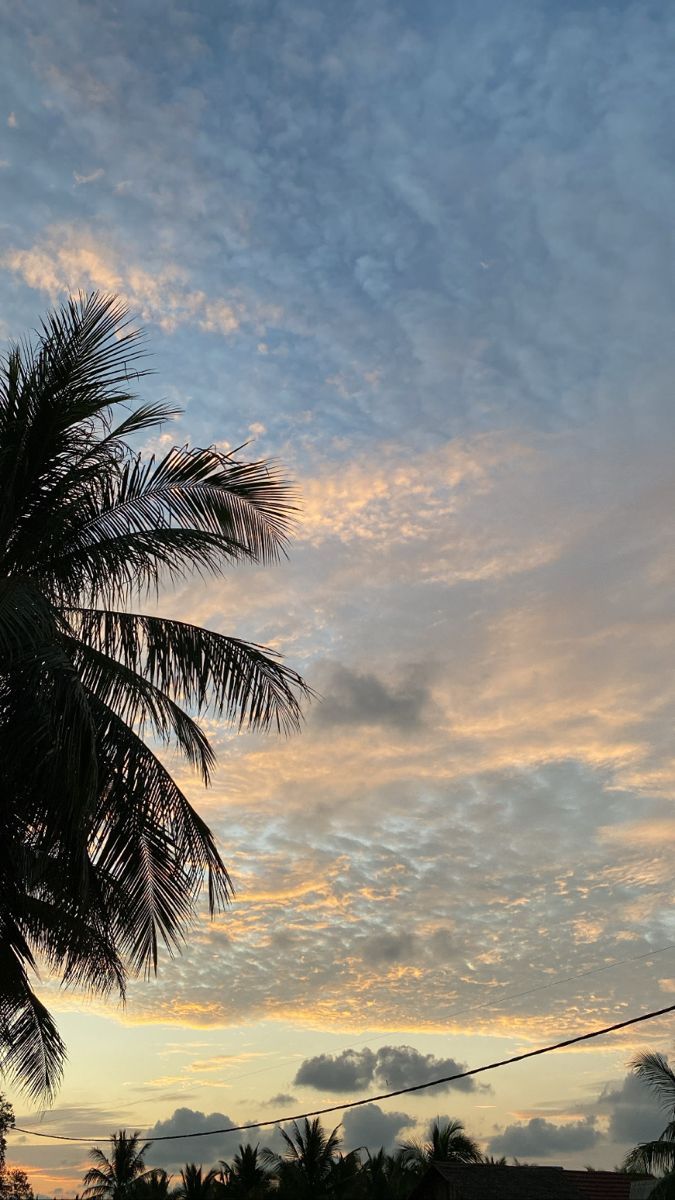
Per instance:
x=421, y=253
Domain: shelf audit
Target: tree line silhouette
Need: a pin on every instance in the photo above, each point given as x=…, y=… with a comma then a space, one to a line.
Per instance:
x=310, y=1163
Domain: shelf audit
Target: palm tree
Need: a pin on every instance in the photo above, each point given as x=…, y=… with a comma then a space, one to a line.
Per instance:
x=345, y=1180
x=447, y=1143
x=194, y=1185
x=388, y=1176
x=246, y=1175
x=116, y=1177
x=103, y=856
x=657, y=1156
x=304, y=1167
x=154, y=1185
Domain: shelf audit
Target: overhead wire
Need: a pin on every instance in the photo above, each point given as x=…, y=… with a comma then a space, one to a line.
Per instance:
x=417, y=1087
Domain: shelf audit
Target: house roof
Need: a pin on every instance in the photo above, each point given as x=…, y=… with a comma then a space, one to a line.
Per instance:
x=450, y=1181
x=602, y=1185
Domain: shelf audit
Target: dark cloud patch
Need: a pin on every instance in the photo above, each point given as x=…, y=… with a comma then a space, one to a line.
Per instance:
x=369, y=1126
x=390, y=948
x=634, y=1114
x=355, y=698
x=539, y=1138
x=351, y=1071
x=403, y=1066
x=391, y=1067
x=282, y=1098
x=191, y=1149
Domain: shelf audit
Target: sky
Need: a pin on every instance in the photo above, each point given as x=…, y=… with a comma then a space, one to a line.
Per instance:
x=421, y=253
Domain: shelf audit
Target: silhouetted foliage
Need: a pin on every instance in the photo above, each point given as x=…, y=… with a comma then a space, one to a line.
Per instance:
x=195, y=1185
x=103, y=856
x=115, y=1177
x=153, y=1185
x=448, y=1142
x=304, y=1168
x=15, y=1185
x=246, y=1175
x=658, y=1156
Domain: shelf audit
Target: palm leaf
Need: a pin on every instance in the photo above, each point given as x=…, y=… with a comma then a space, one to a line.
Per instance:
x=31, y=1050
x=207, y=671
x=224, y=510
x=139, y=702
x=53, y=393
x=653, y=1069
x=150, y=847
x=650, y=1157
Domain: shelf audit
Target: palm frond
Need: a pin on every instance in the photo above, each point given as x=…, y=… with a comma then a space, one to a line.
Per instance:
x=208, y=671
x=226, y=511
x=653, y=1069
x=31, y=1050
x=48, y=739
x=150, y=847
x=651, y=1157
x=52, y=393
x=74, y=941
x=139, y=702
x=28, y=620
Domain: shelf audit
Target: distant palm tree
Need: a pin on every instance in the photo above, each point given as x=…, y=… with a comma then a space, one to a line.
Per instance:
x=345, y=1180
x=658, y=1156
x=388, y=1176
x=304, y=1167
x=447, y=1143
x=115, y=1177
x=154, y=1185
x=194, y=1185
x=103, y=857
x=246, y=1175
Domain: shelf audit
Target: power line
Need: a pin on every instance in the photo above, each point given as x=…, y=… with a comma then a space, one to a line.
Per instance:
x=543, y=987
x=417, y=1087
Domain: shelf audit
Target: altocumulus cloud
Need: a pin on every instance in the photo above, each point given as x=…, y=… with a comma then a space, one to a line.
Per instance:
x=390, y=1066
x=543, y=1138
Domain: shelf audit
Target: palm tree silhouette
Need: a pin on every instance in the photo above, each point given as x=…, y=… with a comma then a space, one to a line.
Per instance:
x=304, y=1167
x=246, y=1175
x=114, y=1178
x=154, y=1185
x=388, y=1176
x=448, y=1143
x=657, y=1156
x=194, y=1185
x=103, y=856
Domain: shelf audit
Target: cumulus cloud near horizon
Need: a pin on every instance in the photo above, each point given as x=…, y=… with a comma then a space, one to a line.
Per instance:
x=184, y=1121
x=369, y=1127
x=540, y=1138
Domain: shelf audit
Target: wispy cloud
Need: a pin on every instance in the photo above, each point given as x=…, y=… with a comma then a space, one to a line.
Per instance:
x=91, y=177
